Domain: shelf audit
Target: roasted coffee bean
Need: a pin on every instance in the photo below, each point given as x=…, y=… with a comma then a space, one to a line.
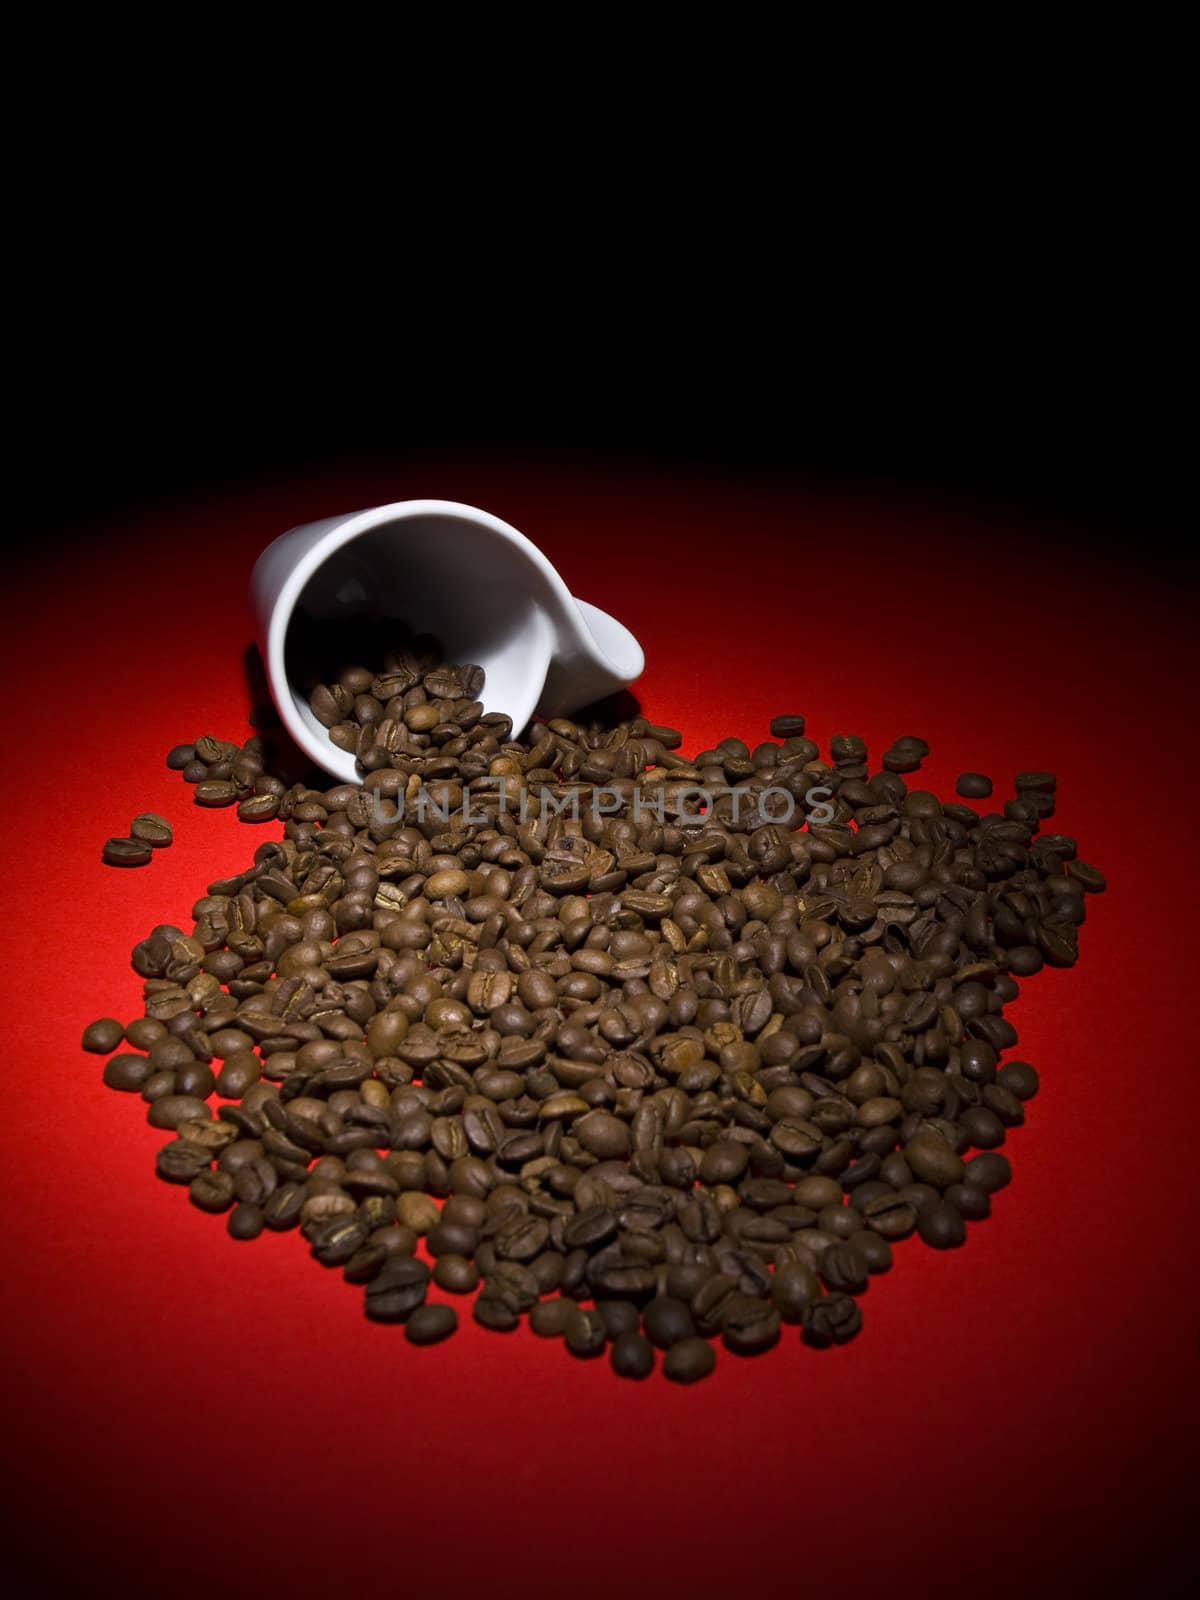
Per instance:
x=172, y=1109
x=941, y=1226
x=988, y=1172
x=585, y=1335
x=336, y=1242
x=245, y=1221
x=455, y=1274
x=181, y=1161
x=666, y=1321
x=258, y=808
x=365, y=1262
x=844, y=1267
x=933, y=1160
x=520, y=1242
x=973, y=785
x=749, y=1325
x=873, y=1248
x=632, y=1356
x=282, y=1210
x=103, y=1036
x=238, y=1072
x=215, y=792
x=256, y=1181
x=211, y=1191
x=834, y=1319
x=549, y=1318
x=128, y=1072
x=971, y=1202
x=689, y=1361
x=397, y=1289
x=1019, y=1079
x=982, y=1127
x=1089, y=878
x=793, y=1286
x=149, y=828
x=724, y=1162
x=119, y=852
x=891, y=1217
x=431, y=1324
x=618, y=1317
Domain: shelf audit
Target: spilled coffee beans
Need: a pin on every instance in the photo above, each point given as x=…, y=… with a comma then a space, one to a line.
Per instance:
x=644, y=1073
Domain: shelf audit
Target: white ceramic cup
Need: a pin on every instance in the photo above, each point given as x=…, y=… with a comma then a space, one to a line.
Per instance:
x=486, y=592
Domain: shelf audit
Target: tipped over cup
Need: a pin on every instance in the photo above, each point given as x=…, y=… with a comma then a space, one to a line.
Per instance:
x=482, y=589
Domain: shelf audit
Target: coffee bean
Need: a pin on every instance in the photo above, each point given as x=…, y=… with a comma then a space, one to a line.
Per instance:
x=149, y=828
x=724, y=1162
x=431, y=1324
x=127, y=1072
x=972, y=1203
x=418, y=1212
x=173, y=1109
x=585, y=1334
x=211, y=1191
x=1089, y=878
x=215, y=792
x=844, y=1268
x=988, y=1172
x=397, y=1289
x=689, y=1361
x=103, y=1035
x=549, y=1318
x=142, y=1032
x=237, y=1073
x=749, y=1325
x=941, y=1226
x=793, y=1286
x=258, y=808
x=336, y=1242
x=834, y=1319
x=787, y=727
x=245, y=1221
x=521, y=1242
x=181, y=1161
x=632, y=1356
x=491, y=1311
x=891, y=1217
x=282, y=1209
x=180, y=756
x=973, y=785
x=455, y=1274
x=933, y=1161
x=667, y=1321
x=618, y=1317
x=126, y=852
x=1019, y=1079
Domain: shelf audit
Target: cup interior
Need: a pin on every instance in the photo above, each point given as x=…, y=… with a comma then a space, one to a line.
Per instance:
x=440, y=574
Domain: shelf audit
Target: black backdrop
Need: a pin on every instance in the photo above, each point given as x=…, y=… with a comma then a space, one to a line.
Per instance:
x=1054, y=390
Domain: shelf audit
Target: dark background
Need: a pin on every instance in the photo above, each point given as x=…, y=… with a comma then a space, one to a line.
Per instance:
x=1035, y=370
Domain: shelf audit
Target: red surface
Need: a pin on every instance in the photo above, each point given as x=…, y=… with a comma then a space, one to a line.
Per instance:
x=178, y=1402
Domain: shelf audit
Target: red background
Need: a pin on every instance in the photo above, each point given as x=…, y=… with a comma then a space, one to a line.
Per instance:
x=182, y=1409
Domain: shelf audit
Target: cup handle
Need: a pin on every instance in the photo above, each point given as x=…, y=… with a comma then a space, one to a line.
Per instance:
x=594, y=657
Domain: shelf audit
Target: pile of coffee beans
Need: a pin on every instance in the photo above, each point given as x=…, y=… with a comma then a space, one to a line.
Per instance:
x=645, y=1077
